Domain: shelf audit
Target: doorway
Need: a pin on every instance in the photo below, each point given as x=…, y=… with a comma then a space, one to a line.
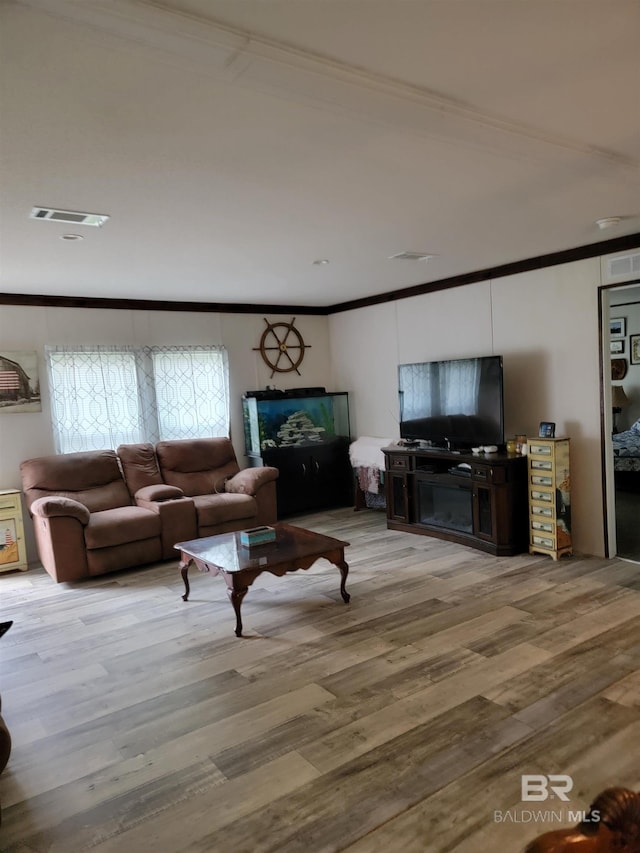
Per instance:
x=622, y=395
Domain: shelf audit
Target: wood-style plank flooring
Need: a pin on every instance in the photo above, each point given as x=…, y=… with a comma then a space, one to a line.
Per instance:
x=400, y=722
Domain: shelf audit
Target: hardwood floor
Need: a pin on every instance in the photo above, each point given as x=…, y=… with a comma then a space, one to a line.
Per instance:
x=400, y=722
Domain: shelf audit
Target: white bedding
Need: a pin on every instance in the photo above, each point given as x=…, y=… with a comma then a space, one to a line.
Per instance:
x=365, y=452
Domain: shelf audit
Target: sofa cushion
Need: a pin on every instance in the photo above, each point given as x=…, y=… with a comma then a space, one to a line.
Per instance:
x=218, y=509
x=139, y=466
x=92, y=478
x=198, y=466
x=121, y=525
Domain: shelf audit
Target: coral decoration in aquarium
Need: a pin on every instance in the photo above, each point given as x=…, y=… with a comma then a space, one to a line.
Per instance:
x=283, y=423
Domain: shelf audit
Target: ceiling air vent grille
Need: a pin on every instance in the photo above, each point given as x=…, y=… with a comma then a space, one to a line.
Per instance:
x=74, y=217
x=411, y=256
x=626, y=266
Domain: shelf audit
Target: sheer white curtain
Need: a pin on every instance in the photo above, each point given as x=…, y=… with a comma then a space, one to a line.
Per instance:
x=109, y=395
x=192, y=391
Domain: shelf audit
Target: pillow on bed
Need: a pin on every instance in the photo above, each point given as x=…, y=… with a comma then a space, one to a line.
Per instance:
x=635, y=427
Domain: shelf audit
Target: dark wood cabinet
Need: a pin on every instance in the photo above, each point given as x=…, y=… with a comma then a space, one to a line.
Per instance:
x=312, y=477
x=480, y=501
x=398, y=487
x=305, y=434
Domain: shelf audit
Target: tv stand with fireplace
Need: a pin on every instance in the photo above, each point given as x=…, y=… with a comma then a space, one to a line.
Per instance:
x=475, y=500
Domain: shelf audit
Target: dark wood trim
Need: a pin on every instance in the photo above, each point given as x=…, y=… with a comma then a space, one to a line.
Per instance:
x=155, y=305
x=605, y=247
x=592, y=250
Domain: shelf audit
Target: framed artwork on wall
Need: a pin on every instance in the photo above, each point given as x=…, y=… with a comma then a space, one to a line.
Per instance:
x=634, y=349
x=19, y=383
x=618, y=368
x=618, y=327
x=617, y=346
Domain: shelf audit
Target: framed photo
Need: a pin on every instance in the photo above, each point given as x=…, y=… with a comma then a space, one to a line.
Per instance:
x=19, y=383
x=618, y=368
x=634, y=349
x=548, y=429
x=618, y=327
x=617, y=346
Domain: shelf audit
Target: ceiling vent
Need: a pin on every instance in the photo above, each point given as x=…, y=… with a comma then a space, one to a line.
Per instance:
x=626, y=266
x=73, y=217
x=411, y=256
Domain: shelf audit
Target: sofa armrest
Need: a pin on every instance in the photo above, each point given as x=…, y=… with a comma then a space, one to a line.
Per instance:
x=250, y=480
x=59, y=524
x=53, y=507
x=157, y=493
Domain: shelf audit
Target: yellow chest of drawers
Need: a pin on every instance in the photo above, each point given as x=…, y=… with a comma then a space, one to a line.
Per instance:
x=549, y=497
x=13, y=552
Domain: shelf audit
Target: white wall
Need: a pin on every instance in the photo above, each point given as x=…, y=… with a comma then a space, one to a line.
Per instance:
x=25, y=435
x=545, y=325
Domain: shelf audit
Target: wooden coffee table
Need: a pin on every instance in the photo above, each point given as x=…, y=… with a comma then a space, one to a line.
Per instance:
x=294, y=548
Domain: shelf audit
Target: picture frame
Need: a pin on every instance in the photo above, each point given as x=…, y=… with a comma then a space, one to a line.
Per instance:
x=616, y=346
x=547, y=429
x=634, y=349
x=618, y=368
x=617, y=327
x=19, y=382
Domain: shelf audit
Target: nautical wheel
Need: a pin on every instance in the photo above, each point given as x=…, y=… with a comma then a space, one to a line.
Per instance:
x=282, y=347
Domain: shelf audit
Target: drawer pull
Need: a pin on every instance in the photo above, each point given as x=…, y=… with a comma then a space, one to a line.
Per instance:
x=542, y=510
x=542, y=540
x=541, y=449
x=537, y=480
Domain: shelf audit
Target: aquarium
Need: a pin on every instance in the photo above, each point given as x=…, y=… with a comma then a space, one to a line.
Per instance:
x=293, y=420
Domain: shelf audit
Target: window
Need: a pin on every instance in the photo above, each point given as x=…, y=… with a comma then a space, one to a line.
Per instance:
x=105, y=396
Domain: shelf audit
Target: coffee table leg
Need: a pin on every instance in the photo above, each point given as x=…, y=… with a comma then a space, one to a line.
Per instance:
x=184, y=569
x=344, y=571
x=236, y=596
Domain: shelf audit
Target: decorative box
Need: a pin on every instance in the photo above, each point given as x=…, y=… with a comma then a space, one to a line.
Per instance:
x=257, y=535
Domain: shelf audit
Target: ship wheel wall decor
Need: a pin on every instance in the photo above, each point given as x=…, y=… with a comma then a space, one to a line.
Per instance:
x=282, y=347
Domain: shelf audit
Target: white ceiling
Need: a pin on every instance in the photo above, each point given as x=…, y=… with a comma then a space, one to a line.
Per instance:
x=234, y=142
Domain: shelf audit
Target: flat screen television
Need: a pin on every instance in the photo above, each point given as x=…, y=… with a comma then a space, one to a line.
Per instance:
x=456, y=403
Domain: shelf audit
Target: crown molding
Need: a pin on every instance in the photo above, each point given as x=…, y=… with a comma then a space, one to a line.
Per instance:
x=282, y=70
x=579, y=253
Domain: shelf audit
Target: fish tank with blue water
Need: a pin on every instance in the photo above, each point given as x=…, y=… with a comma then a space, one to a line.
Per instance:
x=295, y=418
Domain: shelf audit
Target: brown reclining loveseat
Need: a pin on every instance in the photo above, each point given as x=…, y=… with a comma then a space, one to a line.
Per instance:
x=101, y=511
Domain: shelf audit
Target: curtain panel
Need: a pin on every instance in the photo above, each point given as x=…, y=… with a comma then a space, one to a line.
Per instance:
x=103, y=396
